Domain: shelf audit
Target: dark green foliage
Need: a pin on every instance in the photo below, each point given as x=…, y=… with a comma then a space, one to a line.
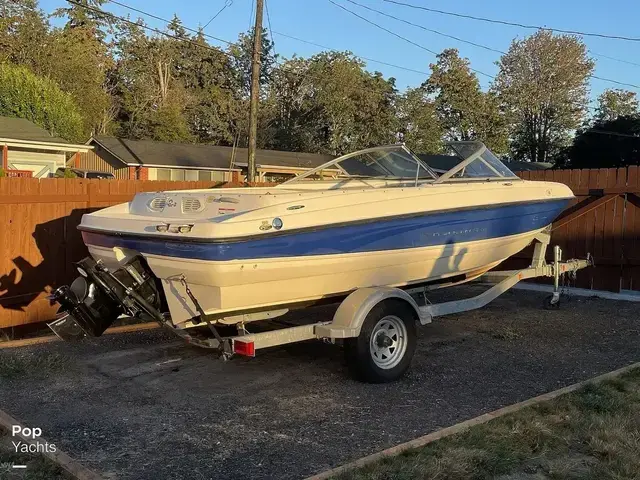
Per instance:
x=23, y=94
x=606, y=143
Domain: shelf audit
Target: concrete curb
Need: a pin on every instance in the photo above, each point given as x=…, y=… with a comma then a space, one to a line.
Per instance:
x=52, y=338
x=579, y=292
x=446, y=432
x=68, y=464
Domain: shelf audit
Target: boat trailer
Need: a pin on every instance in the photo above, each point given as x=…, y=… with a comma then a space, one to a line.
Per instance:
x=377, y=324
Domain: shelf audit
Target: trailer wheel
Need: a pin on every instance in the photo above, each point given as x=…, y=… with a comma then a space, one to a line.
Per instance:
x=383, y=350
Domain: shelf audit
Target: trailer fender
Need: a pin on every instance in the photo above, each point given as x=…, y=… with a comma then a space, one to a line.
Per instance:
x=348, y=319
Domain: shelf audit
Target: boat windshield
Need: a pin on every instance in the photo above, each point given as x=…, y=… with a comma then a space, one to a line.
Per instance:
x=478, y=163
x=394, y=161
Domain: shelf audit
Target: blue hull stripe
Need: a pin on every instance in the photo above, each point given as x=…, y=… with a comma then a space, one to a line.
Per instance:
x=389, y=234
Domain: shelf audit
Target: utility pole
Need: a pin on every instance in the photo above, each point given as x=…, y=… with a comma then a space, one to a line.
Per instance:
x=255, y=92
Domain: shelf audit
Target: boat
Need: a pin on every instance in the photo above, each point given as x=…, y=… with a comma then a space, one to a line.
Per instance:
x=375, y=217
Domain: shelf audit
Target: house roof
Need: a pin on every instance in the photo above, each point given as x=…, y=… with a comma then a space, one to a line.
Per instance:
x=20, y=132
x=164, y=154
x=23, y=129
x=442, y=163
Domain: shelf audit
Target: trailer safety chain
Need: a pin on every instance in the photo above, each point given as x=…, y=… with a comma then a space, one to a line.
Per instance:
x=203, y=315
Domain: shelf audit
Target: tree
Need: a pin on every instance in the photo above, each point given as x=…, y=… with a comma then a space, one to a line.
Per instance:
x=86, y=14
x=606, y=144
x=464, y=111
x=80, y=64
x=419, y=124
x=39, y=100
x=24, y=32
x=242, y=54
x=330, y=104
x=75, y=56
x=176, y=88
x=543, y=83
x=614, y=103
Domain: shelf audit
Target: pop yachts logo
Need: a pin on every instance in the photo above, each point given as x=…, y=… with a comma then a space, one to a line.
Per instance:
x=29, y=440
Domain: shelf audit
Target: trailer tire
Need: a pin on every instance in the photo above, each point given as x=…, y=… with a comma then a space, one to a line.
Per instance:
x=383, y=351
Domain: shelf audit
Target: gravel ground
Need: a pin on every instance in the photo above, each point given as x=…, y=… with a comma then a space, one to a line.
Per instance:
x=124, y=407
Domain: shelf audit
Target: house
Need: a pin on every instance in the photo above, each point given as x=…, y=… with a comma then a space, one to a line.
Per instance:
x=30, y=151
x=153, y=160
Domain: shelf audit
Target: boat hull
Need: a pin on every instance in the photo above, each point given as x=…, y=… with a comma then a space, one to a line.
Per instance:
x=251, y=274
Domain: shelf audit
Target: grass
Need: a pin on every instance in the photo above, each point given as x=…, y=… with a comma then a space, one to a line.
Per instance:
x=38, y=467
x=591, y=434
x=20, y=364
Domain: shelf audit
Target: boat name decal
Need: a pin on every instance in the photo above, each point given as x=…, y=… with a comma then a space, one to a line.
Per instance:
x=466, y=231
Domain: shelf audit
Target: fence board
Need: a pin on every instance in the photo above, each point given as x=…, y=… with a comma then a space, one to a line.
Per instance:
x=631, y=236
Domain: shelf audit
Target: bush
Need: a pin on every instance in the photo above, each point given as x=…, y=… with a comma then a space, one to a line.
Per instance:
x=39, y=100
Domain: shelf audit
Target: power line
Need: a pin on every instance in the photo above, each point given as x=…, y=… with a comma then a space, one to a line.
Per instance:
x=253, y=3
x=273, y=43
x=142, y=12
x=514, y=24
x=426, y=29
x=146, y=27
x=479, y=45
x=484, y=46
x=422, y=72
x=615, y=81
x=614, y=59
x=398, y=35
x=614, y=134
x=227, y=3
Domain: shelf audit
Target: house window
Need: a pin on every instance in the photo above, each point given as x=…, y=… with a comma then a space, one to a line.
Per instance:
x=177, y=174
x=164, y=174
x=204, y=175
x=217, y=176
x=191, y=174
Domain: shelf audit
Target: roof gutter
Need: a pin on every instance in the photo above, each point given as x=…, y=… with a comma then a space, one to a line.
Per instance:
x=59, y=147
x=151, y=165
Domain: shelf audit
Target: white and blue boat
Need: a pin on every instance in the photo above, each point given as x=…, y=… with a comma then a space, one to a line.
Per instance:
x=376, y=217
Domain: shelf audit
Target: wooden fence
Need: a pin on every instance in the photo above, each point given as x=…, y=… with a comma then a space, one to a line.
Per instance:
x=604, y=221
x=39, y=241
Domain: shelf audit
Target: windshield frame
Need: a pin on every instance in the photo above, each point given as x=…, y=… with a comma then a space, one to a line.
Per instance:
x=476, y=155
x=335, y=163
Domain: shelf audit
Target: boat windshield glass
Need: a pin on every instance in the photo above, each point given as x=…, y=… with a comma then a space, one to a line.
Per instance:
x=394, y=161
x=477, y=162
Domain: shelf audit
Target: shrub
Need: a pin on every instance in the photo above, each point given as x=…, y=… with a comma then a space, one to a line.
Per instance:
x=39, y=100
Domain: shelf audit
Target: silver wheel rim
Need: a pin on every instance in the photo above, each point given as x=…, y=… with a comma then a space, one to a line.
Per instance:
x=388, y=342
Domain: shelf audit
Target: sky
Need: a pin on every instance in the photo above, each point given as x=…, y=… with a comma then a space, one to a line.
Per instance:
x=321, y=22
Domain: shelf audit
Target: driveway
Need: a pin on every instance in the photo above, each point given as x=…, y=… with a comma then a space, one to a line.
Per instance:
x=143, y=406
